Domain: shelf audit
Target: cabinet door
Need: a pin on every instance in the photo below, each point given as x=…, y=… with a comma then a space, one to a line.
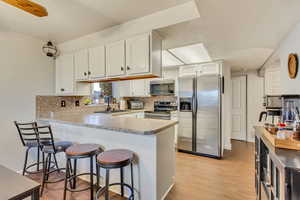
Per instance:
x=138, y=54
x=121, y=89
x=64, y=74
x=138, y=88
x=115, y=59
x=97, y=62
x=81, y=60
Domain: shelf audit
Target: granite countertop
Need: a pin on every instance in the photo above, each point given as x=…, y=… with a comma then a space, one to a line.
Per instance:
x=287, y=158
x=112, y=122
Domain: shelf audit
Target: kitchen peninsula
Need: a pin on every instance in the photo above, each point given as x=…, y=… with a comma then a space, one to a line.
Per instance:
x=152, y=141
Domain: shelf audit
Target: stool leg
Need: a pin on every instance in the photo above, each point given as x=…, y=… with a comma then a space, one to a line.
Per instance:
x=132, y=185
x=45, y=164
x=107, y=185
x=98, y=175
x=74, y=173
x=92, y=177
x=38, y=159
x=56, y=163
x=122, y=181
x=66, y=178
x=25, y=161
x=49, y=165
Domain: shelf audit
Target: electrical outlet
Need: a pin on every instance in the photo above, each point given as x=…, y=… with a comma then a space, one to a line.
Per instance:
x=63, y=103
x=77, y=103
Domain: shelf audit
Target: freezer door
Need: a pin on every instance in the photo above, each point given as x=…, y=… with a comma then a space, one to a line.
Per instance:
x=185, y=117
x=208, y=134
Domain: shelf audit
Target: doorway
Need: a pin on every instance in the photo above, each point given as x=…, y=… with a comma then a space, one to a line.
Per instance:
x=239, y=108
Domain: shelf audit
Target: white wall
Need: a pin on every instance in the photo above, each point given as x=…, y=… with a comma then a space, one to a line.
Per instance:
x=25, y=72
x=188, y=11
x=290, y=44
x=227, y=106
x=255, y=94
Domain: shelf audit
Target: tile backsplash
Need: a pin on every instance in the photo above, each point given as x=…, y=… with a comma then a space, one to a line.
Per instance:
x=48, y=104
x=52, y=104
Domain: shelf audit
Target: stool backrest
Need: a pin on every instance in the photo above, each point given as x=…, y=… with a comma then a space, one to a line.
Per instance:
x=45, y=136
x=27, y=132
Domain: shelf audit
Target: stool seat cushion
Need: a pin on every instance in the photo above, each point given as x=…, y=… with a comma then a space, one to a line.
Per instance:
x=60, y=146
x=83, y=149
x=115, y=157
x=31, y=144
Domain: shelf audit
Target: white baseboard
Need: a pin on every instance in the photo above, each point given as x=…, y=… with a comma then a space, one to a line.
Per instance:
x=228, y=147
x=167, y=192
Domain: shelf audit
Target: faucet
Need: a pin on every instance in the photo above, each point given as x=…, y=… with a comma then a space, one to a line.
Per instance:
x=108, y=99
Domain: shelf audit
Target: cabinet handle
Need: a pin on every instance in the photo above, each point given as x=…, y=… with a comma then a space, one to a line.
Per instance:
x=122, y=68
x=128, y=68
x=89, y=73
x=85, y=73
x=62, y=89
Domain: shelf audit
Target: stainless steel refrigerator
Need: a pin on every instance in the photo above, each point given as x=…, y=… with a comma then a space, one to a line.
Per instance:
x=200, y=128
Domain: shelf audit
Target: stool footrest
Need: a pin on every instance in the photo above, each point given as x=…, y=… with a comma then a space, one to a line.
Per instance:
x=103, y=189
x=78, y=190
x=33, y=165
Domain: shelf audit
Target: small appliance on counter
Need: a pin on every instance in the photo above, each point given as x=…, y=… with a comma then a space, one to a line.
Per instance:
x=135, y=105
x=273, y=108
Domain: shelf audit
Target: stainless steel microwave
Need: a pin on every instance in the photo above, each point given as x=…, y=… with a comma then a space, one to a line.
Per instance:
x=162, y=88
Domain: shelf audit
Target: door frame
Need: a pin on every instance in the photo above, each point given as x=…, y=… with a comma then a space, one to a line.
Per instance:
x=246, y=104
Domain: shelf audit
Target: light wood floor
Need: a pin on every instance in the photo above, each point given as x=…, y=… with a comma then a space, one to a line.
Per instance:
x=198, y=178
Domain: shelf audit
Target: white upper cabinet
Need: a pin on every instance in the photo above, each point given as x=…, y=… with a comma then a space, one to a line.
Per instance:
x=138, y=54
x=96, y=62
x=115, y=59
x=81, y=60
x=64, y=74
x=138, y=88
x=273, y=81
x=131, y=88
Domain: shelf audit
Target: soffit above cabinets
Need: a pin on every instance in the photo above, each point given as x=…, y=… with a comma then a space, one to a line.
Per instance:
x=170, y=60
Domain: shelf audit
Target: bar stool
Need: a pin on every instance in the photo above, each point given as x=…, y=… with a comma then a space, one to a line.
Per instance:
x=81, y=151
x=115, y=159
x=29, y=140
x=50, y=148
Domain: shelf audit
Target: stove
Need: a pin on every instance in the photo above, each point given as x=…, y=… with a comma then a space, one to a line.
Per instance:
x=162, y=110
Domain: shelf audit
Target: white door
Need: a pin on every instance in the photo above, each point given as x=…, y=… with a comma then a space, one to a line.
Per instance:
x=64, y=74
x=115, y=59
x=138, y=54
x=81, y=61
x=97, y=62
x=239, y=125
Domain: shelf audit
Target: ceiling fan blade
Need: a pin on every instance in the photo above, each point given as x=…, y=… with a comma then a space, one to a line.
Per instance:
x=28, y=6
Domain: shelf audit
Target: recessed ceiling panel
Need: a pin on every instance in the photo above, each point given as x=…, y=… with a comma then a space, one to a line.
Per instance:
x=196, y=53
x=169, y=60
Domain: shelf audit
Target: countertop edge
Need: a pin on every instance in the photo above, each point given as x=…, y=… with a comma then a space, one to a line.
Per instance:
x=130, y=131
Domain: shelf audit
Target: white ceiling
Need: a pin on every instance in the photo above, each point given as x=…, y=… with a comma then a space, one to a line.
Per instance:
x=69, y=19
x=243, y=33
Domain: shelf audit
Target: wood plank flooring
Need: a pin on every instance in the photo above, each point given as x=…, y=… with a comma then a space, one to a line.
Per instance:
x=197, y=178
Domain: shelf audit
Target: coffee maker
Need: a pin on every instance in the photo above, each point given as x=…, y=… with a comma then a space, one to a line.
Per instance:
x=273, y=108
